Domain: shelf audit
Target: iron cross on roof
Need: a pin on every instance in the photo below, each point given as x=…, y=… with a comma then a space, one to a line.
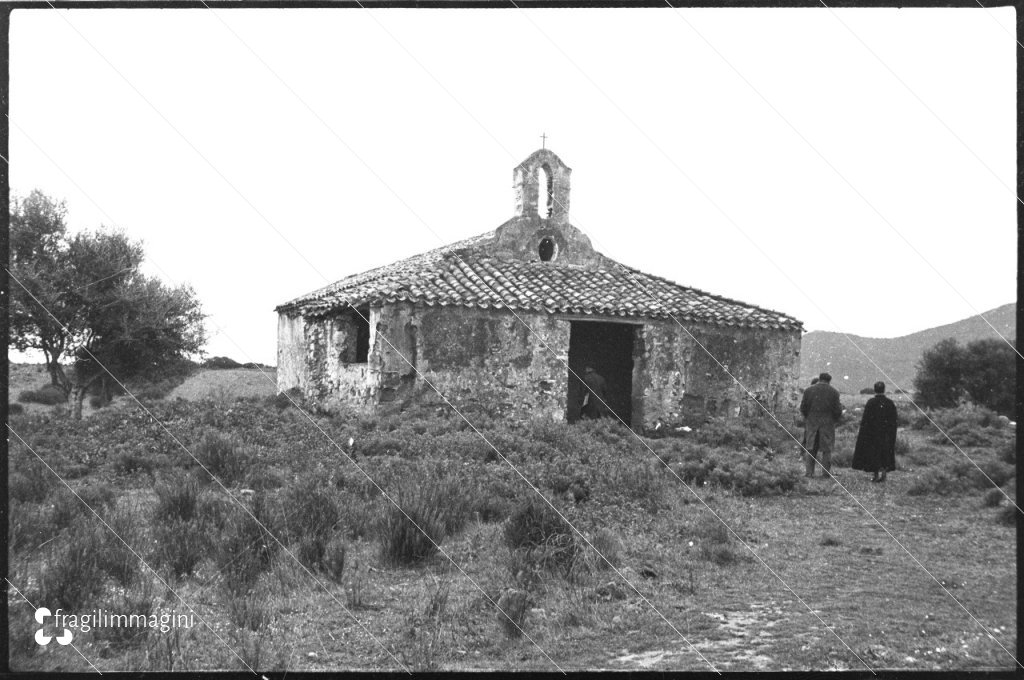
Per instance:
x=543, y=139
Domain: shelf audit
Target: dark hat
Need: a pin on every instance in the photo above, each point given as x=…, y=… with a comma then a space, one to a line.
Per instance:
x=825, y=377
x=879, y=387
x=814, y=381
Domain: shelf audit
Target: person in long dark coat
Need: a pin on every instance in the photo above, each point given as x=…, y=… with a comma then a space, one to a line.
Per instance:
x=821, y=410
x=876, y=441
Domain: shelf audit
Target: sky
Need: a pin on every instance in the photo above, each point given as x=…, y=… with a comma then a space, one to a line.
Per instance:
x=853, y=168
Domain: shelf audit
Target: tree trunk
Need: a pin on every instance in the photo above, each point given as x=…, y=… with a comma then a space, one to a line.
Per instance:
x=77, y=397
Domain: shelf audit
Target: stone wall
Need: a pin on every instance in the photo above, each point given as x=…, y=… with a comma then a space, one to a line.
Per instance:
x=680, y=381
x=488, y=360
x=481, y=359
x=317, y=355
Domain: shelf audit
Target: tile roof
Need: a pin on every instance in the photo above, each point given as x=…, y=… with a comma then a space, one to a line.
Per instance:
x=464, y=274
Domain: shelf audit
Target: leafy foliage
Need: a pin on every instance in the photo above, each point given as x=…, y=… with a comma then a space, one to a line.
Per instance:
x=984, y=371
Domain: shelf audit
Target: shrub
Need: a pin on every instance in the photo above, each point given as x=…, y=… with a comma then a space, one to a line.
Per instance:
x=97, y=401
x=30, y=525
x=714, y=540
x=246, y=548
x=68, y=506
x=249, y=611
x=994, y=497
x=334, y=558
x=902, y=445
x=72, y=575
x=15, y=409
x=181, y=544
x=118, y=560
x=413, y=532
x=176, y=499
x=868, y=390
x=312, y=509
x=1007, y=452
x=223, y=456
x=129, y=462
x=29, y=483
x=608, y=546
x=47, y=395
x=539, y=537
x=1008, y=514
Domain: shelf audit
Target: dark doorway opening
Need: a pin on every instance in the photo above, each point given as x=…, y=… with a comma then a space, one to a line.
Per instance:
x=608, y=348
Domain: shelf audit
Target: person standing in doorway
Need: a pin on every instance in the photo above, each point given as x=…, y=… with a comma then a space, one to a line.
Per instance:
x=595, y=394
x=876, y=441
x=821, y=410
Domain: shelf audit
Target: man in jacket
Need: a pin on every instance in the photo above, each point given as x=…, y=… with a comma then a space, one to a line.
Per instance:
x=821, y=410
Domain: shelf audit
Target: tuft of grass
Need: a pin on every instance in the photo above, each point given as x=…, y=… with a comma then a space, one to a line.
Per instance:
x=413, y=531
x=249, y=611
x=245, y=548
x=225, y=456
x=73, y=575
x=177, y=498
x=830, y=540
x=181, y=545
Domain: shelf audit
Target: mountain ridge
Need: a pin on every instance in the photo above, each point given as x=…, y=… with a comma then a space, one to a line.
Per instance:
x=896, y=357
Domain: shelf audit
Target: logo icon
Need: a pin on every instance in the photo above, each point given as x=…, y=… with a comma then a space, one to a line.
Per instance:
x=41, y=638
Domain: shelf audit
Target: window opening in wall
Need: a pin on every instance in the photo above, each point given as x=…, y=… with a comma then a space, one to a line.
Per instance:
x=362, y=321
x=547, y=249
x=544, y=195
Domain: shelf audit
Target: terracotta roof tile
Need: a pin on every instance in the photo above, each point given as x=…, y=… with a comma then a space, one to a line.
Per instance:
x=463, y=274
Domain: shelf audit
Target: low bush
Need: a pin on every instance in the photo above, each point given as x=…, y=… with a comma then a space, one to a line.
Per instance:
x=177, y=498
x=1007, y=452
x=15, y=409
x=127, y=463
x=73, y=576
x=180, y=545
x=249, y=611
x=47, y=395
x=1008, y=514
x=312, y=509
x=225, y=456
x=714, y=542
x=994, y=497
x=333, y=562
x=246, y=547
x=68, y=505
x=412, y=531
x=29, y=482
x=903, y=445
x=123, y=541
x=30, y=525
x=608, y=547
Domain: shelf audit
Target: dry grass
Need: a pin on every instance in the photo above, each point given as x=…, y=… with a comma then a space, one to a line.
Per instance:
x=226, y=385
x=705, y=580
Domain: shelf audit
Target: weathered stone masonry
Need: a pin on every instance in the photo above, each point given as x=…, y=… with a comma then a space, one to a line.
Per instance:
x=492, y=321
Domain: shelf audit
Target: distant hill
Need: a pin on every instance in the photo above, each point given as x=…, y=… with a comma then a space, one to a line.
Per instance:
x=897, y=357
